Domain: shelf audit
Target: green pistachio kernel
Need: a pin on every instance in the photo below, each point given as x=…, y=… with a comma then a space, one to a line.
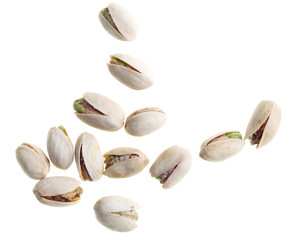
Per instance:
x=78, y=105
x=63, y=130
x=120, y=62
x=158, y=178
x=234, y=135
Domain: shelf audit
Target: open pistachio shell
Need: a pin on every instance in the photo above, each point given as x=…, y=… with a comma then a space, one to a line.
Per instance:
x=33, y=161
x=221, y=146
x=171, y=166
x=145, y=121
x=264, y=123
x=124, y=162
x=88, y=156
x=99, y=112
x=60, y=147
x=118, y=22
x=117, y=213
x=58, y=191
x=130, y=71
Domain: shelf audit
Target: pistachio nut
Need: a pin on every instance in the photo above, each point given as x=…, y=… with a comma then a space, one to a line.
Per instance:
x=221, y=146
x=145, y=121
x=60, y=147
x=171, y=166
x=88, y=157
x=117, y=213
x=124, y=162
x=264, y=123
x=118, y=22
x=130, y=71
x=99, y=112
x=58, y=191
x=33, y=161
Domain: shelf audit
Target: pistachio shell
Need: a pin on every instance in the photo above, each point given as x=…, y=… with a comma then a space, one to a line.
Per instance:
x=220, y=147
x=114, y=213
x=88, y=156
x=111, y=117
x=125, y=23
x=60, y=148
x=145, y=121
x=135, y=161
x=48, y=188
x=33, y=161
x=269, y=113
x=140, y=79
x=175, y=161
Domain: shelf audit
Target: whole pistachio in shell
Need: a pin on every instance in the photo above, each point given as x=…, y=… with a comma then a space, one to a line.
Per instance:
x=171, y=166
x=33, y=161
x=58, y=191
x=118, y=22
x=60, y=147
x=124, y=162
x=130, y=71
x=264, y=123
x=88, y=157
x=117, y=213
x=221, y=146
x=145, y=121
x=99, y=112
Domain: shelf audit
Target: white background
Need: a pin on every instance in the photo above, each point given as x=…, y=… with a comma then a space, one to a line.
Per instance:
x=213, y=62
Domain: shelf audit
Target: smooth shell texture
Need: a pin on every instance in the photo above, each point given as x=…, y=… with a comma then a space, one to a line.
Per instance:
x=126, y=168
x=125, y=23
x=53, y=186
x=92, y=156
x=145, y=122
x=133, y=79
x=264, y=110
x=60, y=148
x=220, y=149
x=33, y=161
x=104, y=208
x=113, y=115
x=168, y=159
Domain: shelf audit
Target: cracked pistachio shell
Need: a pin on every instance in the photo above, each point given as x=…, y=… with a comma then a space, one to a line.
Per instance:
x=267, y=112
x=88, y=157
x=131, y=166
x=60, y=147
x=145, y=121
x=111, y=117
x=117, y=213
x=48, y=189
x=220, y=147
x=126, y=25
x=33, y=161
x=140, y=79
x=173, y=157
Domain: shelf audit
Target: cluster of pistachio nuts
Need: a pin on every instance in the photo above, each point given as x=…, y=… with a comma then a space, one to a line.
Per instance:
x=114, y=212
x=261, y=129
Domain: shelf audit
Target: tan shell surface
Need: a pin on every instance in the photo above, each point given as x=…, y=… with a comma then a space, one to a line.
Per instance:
x=168, y=159
x=60, y=148
x=113, y=118
x=144, y=123
x=221, y=149
x=133, y=79
x=126, y=168
x=265, y=109
x=106, y=206
x=109, y=28
x=33, y=161
x=124, y=21
x=54, y=186
x=92, y=156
